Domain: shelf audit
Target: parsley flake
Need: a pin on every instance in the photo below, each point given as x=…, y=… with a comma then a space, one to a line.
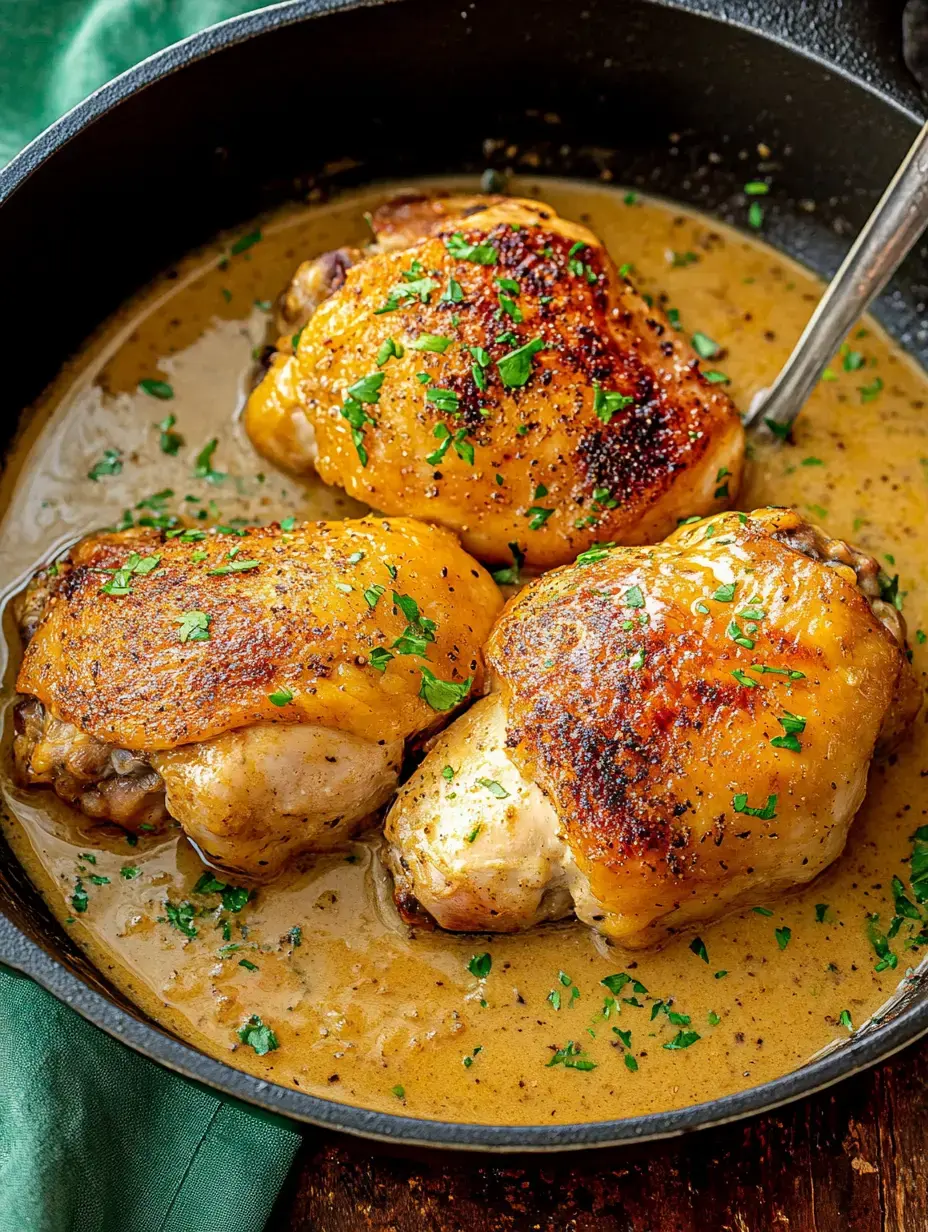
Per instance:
x=256, y=1035
x=194, y=626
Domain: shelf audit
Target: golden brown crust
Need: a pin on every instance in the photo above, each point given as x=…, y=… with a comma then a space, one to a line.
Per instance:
x=623, y=706
x=115, y=666
x=625, y=474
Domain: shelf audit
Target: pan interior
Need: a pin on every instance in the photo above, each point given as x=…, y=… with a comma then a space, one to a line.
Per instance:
x=365, y=1011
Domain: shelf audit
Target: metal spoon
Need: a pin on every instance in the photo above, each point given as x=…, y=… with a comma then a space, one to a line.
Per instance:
x=888, y=236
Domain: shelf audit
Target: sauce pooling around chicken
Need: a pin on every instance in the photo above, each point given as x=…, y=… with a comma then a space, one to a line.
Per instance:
x=314, y=981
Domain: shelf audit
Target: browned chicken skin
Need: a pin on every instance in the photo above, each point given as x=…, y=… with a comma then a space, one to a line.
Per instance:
x=258, y=689
x=485, y=366
x=679, y=730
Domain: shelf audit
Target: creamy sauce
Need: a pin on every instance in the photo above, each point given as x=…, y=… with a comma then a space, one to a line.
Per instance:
x=365, y=1011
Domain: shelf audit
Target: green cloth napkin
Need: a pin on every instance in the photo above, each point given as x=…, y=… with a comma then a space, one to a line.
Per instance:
x=93, y=1137
x=55, y=52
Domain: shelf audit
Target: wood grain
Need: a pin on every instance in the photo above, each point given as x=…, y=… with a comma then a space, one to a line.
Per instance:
x=853, y=1159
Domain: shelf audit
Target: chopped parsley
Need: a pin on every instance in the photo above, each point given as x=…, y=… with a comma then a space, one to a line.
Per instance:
x=446, y=400
x=437, y=343
x=740, y=804
x=698, y=947
x=780, y=430
x=367, y=389
x=234, y=897
x=537, y=516
x=571, y=1057
x=244, y=242
x=169, y=441
x=234, y=566
x=783, y=936
x=615, y=983
x=373, y=594
x=494, y=788
x=121, y=581
x=480, y=965
x=358, y=418
x=258, y=1036
x=79, y=899
x=109, y=464
x=194, y=626
x=156, y=389
x=419, y=629
x=737, y=635
x=180, y=916
x=516, y=367
x=793, y=725
x=885, y=956
x=704, y=346
x=607, y=402
x=454, y=293
x=510, y=308
x=389, y=349
x=479, y=254
x=281, y=696
x=203, y=464
x=442, y=695
x=379, y=657
x=599, y=551
x=417, y=288
x=683, y=1039
x=869, y=392
x=510, y=574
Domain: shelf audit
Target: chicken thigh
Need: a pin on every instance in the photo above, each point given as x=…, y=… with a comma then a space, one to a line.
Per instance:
x=485, y=366
x=259, y=689
x=677, y=731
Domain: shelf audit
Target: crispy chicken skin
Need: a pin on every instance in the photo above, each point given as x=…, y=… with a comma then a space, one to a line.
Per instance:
x=698, y=719
x=280, y=724
x=400, y=392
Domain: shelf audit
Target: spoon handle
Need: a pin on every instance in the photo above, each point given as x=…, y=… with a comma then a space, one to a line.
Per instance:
x=889, y=234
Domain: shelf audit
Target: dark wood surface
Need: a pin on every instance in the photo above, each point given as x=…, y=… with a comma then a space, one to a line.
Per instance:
x=852, y=1159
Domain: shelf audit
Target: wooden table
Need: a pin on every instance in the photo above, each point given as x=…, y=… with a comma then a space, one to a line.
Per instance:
x=852, y=1159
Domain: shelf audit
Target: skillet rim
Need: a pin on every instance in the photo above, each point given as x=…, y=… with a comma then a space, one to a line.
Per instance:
x=28, y=958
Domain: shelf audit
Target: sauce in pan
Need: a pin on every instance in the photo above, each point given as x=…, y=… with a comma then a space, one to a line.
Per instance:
x=362, y=1009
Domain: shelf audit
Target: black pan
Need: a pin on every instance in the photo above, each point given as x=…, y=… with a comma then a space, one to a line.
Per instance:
x=671, y=97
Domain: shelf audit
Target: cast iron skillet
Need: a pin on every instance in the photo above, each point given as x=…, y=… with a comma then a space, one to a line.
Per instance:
x=671, y=97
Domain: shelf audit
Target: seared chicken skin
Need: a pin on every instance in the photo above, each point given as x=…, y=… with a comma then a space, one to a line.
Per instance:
x=678, y=731
x=260, y=690
x=485, y=366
